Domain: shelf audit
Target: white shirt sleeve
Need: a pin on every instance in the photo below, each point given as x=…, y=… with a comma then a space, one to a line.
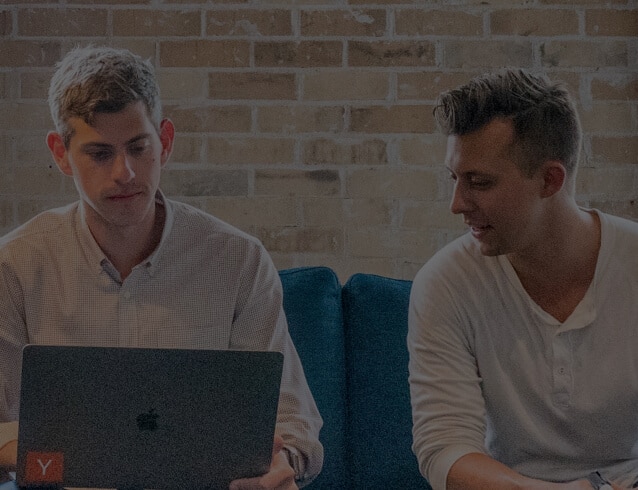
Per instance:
x=448, y=408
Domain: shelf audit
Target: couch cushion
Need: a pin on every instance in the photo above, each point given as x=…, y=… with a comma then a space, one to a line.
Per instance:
x=312, y=302
x=379, y=436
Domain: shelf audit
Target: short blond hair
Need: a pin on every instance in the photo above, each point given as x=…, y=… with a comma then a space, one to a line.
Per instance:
x=92, y=80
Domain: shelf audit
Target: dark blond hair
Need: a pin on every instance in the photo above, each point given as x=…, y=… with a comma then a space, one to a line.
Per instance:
x=544, y=117
x=93, y=80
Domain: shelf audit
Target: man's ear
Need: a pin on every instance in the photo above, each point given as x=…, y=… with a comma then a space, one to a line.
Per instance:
x=554, y=177
x=167, y=135
x=58, y=150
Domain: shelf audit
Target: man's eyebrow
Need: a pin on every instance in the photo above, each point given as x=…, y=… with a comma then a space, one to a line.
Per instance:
x=95, y=145
x=137, y=138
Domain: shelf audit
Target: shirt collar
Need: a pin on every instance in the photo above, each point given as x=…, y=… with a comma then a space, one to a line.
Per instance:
x=96, y=256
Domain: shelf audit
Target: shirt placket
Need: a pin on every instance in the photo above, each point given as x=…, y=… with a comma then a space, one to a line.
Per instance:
x=561, y=370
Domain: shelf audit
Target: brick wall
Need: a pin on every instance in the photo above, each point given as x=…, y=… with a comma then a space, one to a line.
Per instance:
x=308, y=124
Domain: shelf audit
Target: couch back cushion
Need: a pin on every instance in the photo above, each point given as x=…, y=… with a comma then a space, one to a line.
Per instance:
x=379, y=437
x=312, y=302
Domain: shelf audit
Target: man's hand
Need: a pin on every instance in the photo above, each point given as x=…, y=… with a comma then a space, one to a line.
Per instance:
x=280, y=476
x=8, y=456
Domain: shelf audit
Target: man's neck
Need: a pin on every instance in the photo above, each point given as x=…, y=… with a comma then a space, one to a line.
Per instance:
x=126, y=247
x=559, y=271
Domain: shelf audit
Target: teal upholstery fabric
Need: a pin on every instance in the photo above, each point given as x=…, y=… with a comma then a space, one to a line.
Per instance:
x=352, y=344
x=312, y=302
x=379, y=436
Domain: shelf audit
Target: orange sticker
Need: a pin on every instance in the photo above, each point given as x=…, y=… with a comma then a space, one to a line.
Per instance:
x=44, y=467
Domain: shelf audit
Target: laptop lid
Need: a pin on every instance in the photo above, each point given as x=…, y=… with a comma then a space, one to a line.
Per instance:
x=145, y=418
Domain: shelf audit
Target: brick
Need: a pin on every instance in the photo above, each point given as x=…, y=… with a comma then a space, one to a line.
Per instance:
x=39, y=180
x=581, y=2
x=156, y=22
x=29, y=53
x=534, y=22
x=6, y=150
x=300, y=119
x=240, y=22
x=250, y=151
x=34, y=85
x=615, y=150
x=430, y=215
x=7, y=221
x=428, y=85
x=109, y=2
x=247, y=212
x=4, y=85
x=607, y=117
x=205, y=118
x=227, y=53
x=390, y=243
x=600, y=183
x=143, y=47
x=367, y=212
x=610, y=22
x=426, y=22
x=304, y=54
x=25, y=116
x=337, y=151
x=188, y=149
x=297, y=182
x=322, y=212
x=426, y=150
x=309, y=240
x=343, y=23
x=345, y=85
x=66, y=22
x=391, y=53
x=216, y=182
x=198, y=2
x=183, y=84
x=486, y=53
x=393, y=119
x=584, y=54
x=386, y=182
x=253, y=86
x=31, y=149
x=5, y=23
x=616, y=88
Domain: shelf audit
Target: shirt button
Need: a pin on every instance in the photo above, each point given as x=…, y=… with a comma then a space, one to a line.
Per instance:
x=127, y=295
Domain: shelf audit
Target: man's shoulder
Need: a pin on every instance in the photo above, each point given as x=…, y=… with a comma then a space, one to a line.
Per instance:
x=47, y=224
x=459, y=259
x=621, y=224
x=196, y=223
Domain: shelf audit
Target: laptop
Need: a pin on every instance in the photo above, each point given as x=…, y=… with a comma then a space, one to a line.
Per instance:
x=132, y=418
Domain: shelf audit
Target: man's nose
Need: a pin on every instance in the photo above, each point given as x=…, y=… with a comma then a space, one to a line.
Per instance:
x=460, y=201
x=123, y=168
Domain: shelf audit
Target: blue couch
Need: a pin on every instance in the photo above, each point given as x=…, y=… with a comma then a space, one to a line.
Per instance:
x=351, y=341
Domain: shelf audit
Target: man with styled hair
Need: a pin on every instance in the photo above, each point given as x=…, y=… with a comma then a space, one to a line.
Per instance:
x=126, y=266
x=522, y=332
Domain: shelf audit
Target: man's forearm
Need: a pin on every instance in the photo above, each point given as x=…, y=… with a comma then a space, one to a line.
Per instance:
x=478, y=471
